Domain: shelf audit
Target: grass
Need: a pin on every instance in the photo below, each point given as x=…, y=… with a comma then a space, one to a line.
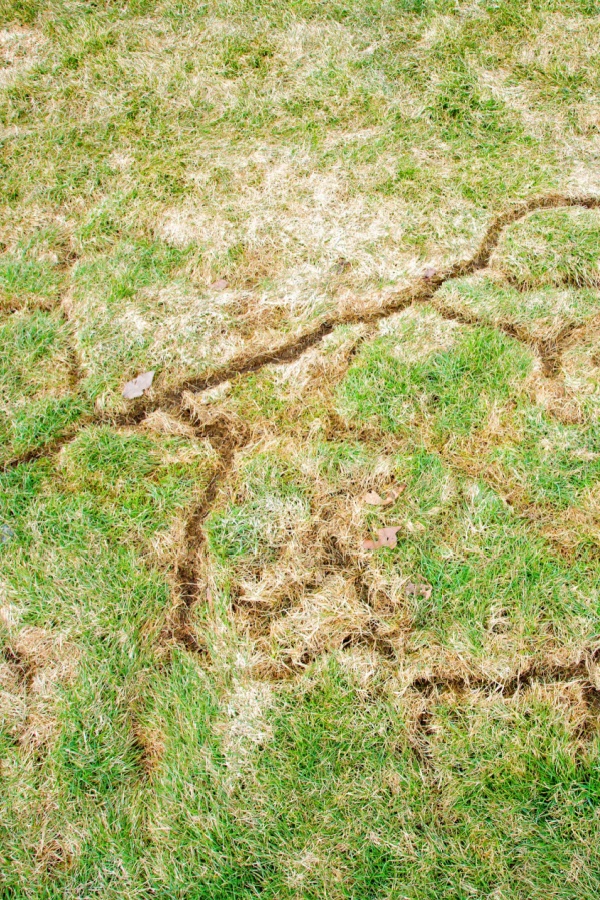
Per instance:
x=561, y=248
x=38, y=403
x=209, y=688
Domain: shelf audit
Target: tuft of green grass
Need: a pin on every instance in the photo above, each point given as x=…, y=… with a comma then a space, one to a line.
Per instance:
x=452, y=390
x=38, y=401
x=488, y=571
x=541, y=312
x=553, y=463
x=341, y=803
x=24, y=278
x=275, y=500
x=82, y=577
x=553, y=247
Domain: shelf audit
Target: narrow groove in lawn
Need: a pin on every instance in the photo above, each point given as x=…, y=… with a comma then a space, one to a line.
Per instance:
x=226, y=442
x=543, y=673
x=422, y=290
x=538, y=671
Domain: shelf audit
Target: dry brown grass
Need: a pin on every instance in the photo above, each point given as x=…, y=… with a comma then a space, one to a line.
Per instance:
x=38, y=662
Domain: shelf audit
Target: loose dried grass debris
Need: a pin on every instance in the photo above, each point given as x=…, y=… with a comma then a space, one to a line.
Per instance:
x=162, y=422
x=38, y=661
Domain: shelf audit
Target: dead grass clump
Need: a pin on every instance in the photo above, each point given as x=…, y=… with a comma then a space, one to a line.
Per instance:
x=305, y=588
x=223, y=427
x=54, y=854
x=151, y=743
x=39, y=661
x=327, y=619
x=20, y=50
x=554, y=395
x=245, y=728
x=162, y=422
x=580, y=361
x=13, y=706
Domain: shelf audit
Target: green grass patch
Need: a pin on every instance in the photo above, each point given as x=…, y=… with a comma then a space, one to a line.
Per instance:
x=542, y=311
x=551, y=462
x=454, y=389
x=80, y=573
x=274, y=498
x=313, y=156
x=38, y=401
x=553, y=247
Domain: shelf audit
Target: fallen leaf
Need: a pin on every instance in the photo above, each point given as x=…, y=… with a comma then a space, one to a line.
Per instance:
x=220, y=284
x=386, y=537
x=393, y=493
x=429, y=272
x=373, y=498
x=418, y=590
x=137, y=387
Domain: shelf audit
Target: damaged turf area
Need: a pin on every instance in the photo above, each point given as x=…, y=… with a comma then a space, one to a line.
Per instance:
x=316, y=616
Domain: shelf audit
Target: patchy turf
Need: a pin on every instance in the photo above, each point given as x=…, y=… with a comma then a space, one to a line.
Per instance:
x=358, y=243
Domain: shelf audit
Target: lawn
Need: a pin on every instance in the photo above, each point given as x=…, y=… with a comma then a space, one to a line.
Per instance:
x=316, y=617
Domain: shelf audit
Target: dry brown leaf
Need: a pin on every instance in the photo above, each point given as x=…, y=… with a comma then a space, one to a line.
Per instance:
x=418, y=590
x=386, y=537
x=374, y=499
x=393, y=493
x=138, y=386
x=220, y=284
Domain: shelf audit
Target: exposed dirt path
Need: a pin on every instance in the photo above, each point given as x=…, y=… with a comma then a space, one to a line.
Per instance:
x=227, y=441
x=422, y=290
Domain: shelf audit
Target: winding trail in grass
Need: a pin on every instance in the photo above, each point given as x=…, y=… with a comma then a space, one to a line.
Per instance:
x=421, y=290
x=227, y=442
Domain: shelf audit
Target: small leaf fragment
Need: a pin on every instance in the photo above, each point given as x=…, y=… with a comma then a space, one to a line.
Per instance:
x=418, y=590
x=373, y=498
x=393, y=493
x=6, y=534
x=386, y=537
x=138, y=386
x=220, y=284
